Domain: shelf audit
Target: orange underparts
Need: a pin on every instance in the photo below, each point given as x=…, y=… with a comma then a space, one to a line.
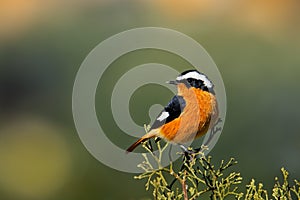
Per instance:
x=194, y=120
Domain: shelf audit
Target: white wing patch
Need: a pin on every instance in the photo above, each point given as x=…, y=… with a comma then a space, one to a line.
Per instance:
x=163, y=116
x=196, y=75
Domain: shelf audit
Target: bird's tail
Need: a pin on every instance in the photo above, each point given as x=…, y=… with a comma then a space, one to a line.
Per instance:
x=147, y=136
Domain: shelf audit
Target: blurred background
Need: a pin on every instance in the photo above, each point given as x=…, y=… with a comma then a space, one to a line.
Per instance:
x=255, y=44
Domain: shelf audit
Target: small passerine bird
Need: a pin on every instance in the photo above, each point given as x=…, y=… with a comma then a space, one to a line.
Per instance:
x=189, y=114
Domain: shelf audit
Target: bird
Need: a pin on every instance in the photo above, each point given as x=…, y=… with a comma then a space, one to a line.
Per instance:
x=189, y=114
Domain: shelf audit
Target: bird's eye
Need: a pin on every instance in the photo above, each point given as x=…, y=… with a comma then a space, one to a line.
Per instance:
x=191, y=82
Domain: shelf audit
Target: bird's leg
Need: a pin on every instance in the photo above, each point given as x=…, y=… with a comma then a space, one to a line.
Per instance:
x=187, y=152
x=190, y=153
x=183, y=148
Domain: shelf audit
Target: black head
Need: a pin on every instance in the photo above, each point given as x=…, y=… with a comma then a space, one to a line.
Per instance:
x=193, y=78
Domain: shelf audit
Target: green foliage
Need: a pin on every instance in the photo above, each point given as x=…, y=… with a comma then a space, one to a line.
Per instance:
x=284, y=190
x=199, y=177
x=255, y=192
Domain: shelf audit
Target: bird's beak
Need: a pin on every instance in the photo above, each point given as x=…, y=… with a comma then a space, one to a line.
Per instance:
x=172, y=82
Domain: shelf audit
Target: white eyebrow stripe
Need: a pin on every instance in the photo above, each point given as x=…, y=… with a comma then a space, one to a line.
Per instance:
x=164, y=115
x=196, y=75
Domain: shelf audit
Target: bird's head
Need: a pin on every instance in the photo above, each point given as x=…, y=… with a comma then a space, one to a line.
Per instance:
x=195, y=79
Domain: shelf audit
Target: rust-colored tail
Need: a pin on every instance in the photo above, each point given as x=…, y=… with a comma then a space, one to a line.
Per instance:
x=142, y=139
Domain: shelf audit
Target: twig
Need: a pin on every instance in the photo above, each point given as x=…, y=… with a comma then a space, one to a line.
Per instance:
x=184, y=187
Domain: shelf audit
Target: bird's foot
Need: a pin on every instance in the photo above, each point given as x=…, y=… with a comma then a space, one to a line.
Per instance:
x=190, y=153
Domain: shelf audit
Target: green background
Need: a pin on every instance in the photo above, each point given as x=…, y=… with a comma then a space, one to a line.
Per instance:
x=255, y=45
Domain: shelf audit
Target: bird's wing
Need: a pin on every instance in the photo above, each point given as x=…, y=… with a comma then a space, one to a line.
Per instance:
x=170, y=112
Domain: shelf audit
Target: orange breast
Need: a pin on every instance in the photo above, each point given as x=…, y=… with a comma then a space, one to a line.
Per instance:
x=195, y=119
